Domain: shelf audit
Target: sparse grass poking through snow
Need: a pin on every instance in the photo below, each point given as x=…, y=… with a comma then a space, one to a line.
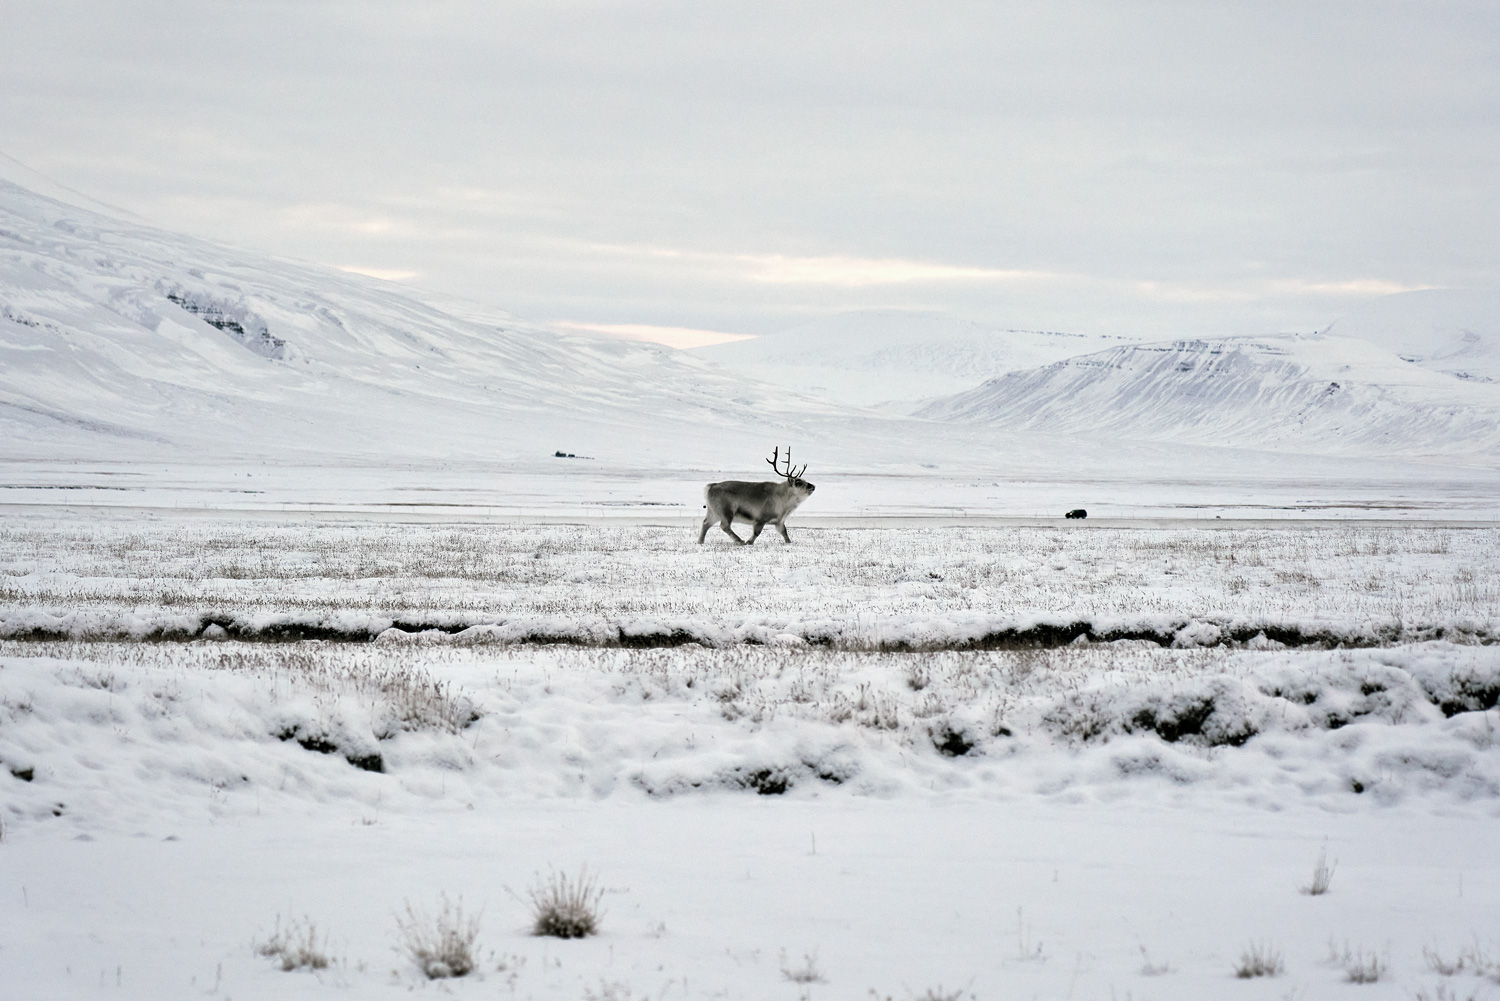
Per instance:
x=805, y=972
x=1259, y=960
x=1470, y=958
x=1322, y=877
x=296, y=946
x=1442, y=992
x=442, y=944
x=1443, y=966
x=1150, y=968
x=1365, y=968
x=1027, y=949
x=566, y=907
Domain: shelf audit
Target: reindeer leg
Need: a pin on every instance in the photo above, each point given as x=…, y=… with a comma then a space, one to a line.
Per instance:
x=708, y=520
x=756, y=534
x=724, y=523
x=781, y=527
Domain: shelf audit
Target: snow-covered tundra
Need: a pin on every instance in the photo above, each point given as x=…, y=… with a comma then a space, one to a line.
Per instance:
x=898, y=763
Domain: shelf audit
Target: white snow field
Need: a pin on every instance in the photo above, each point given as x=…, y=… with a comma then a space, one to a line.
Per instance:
x=304, y=622
x=958, y=762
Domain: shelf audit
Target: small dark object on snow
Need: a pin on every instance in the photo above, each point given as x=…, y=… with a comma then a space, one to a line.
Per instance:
x=368, y=762
x=24, y=774
x=951, y=743
x=565, y=455
x=1077, y=512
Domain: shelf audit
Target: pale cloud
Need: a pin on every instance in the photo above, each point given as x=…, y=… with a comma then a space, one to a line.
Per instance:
x=832, y=269
x=1270, y=289
x=384, y=274
x=1356, y=287
x=331, y=216
x=857, y=271
x=1080, y=165
x=674, y=337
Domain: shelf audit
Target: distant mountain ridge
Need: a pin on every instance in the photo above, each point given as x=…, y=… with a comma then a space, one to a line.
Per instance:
x=1315, y=393
x=121, y=341
x=869, y=357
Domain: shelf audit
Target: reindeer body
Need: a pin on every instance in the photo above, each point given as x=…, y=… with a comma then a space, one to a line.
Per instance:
x=763, y=503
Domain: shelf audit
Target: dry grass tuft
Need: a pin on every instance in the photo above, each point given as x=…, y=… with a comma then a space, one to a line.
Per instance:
x=441, y=945
x=1259, y=960
x=297, y=946
x=1365, y=969
x=805, y=972
x=566, y=907
x=1322, y=877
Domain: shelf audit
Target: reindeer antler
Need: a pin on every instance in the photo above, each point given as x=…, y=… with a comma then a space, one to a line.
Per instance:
x=775, y=464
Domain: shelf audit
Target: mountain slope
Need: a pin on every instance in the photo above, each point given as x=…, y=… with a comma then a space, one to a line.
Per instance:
x=1320, y=394
x=1453, y=331
x=869, y=357
x=114, y=335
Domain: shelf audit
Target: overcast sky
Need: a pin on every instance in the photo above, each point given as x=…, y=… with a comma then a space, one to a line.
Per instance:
x=1152, y=168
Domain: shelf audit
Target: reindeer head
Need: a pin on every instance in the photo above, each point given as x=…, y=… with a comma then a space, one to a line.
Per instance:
x=793, y=476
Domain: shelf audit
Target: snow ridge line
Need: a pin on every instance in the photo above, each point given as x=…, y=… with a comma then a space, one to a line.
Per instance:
x=900, y=635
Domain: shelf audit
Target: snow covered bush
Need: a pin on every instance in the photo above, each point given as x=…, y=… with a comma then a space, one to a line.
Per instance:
x=1213, y=712
x=564, y=906
x=297, y=946
x=1259, y=960
x=442, y=944
x=1365, y=968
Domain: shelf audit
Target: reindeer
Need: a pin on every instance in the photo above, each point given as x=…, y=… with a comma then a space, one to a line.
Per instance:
x=764, y=503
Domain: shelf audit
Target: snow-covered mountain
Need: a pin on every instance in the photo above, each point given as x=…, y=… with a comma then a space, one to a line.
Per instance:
x=1453, y=331
x=119, y=339
x=1315, y=394
x=869, y=357
x=129, y=355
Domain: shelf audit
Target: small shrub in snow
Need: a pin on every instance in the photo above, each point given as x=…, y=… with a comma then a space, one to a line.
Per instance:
x=566, y=907
x=805, y=972
x=1363, y=969
x=1259, y=960
x=1444, y=993
x=1322, y=877
x=1445, y=967
x=1470, y=957
x=441, y=945
x=1150, y=968
x=1219, y=713
x=297, y=946
x=918, y=677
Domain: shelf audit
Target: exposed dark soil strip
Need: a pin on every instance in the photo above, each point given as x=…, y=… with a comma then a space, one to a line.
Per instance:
x=1030, y=636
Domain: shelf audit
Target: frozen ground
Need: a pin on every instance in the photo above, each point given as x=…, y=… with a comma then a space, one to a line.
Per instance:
x=847, y=587
x=880, y=756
